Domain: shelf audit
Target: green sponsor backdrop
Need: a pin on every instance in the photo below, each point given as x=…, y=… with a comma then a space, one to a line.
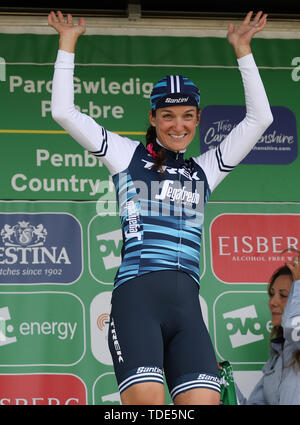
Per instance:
x=113, y=80
x=46, y=171
x=63, y=328
x=48, y=329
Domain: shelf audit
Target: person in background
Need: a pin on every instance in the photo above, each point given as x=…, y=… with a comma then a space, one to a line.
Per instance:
x=280, y=383
x=156, y=325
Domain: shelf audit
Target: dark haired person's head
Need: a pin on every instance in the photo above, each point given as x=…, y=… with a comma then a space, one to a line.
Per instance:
x=174, y=115
x=278, y=290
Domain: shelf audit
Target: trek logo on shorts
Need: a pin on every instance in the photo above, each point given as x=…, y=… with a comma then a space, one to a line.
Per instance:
x=115, y=341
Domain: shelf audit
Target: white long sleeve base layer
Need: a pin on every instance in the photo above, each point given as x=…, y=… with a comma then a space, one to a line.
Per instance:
x=119, y=150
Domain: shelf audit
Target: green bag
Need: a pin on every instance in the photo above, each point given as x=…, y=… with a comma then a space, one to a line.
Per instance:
x=225, y=375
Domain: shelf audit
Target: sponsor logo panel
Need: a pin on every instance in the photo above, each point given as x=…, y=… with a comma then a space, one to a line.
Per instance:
x=105, y=390
x=105, y=245
x=242, y=324
x=40, y=248
x=100, y=314
x=247, y=248
x=43, y=328
x=278, y=144
x=42, y=389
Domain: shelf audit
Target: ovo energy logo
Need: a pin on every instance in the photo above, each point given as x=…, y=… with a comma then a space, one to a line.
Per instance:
x=109, y=247
x=29, y=321
x=105, y=245
x=242, y=326
x=2, y=69
x=4, y=329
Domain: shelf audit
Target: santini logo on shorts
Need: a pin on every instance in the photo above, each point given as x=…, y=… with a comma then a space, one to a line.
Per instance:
x=154, y=369
x=179, y=100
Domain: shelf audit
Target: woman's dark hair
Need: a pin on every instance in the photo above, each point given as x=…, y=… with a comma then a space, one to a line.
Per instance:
x=277, y=331
x=161, y=158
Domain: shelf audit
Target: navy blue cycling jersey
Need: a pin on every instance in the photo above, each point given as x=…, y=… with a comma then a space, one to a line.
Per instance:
x=161, y=216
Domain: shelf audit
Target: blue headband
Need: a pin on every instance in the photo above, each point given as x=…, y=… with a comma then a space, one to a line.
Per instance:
x=174, y=90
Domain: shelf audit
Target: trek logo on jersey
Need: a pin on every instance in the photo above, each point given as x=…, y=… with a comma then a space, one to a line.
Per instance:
x=184, y=171
x=39, y=248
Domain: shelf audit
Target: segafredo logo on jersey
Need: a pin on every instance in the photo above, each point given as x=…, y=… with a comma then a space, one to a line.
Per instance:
x=277, y=145
x=247, y=248
x=39, y=248
x=169, y=190
x=30, y=321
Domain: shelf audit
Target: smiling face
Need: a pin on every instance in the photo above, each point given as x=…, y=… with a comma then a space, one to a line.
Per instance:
x=175, y=126
x=279, y=292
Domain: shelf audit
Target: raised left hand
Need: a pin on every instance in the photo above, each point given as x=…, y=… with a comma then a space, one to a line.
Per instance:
x=241, y=36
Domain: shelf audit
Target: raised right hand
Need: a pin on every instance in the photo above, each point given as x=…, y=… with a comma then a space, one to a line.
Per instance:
x=68, y=31
x=295, y=267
